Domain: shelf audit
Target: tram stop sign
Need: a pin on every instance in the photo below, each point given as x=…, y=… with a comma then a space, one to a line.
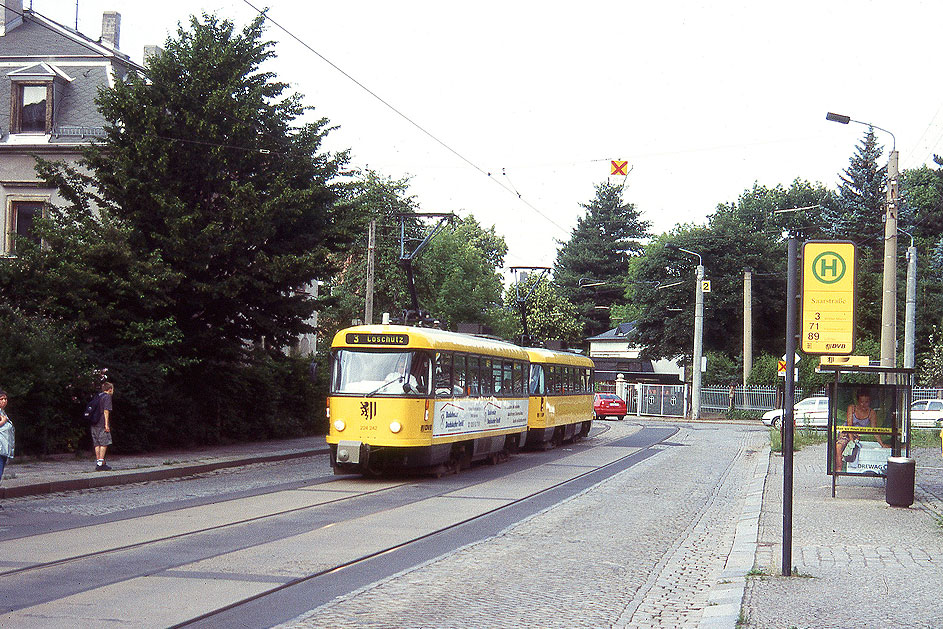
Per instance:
x=828, y=297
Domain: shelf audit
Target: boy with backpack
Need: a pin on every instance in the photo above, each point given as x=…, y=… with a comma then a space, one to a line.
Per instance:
x=98, y=414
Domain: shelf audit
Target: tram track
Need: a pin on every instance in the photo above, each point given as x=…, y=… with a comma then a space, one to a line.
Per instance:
x=47, y=583
x=226, y=615
x=102, y=553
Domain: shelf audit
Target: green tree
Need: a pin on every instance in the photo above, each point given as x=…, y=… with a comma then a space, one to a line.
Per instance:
x=213, y=206
x=930, y=368
x=591, y=267
x=746, y=233
x=921, y=216
x=459, y=274
x=550, y=316
x=859, y=216
x=456, y=275
x=383, y=199
x=861, y=195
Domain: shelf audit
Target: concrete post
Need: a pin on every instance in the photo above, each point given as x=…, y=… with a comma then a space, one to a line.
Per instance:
x=371, y=246
x=910, y=317
x=747, y=324
x=698, y=340
x=889, y=300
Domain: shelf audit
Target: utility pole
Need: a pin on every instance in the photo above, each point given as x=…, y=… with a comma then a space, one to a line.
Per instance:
x=747, y=323
x=889, y=301
x=889, y=297
x=911, y=309
x=698, y=343
x=698, y=330
x=371, y=247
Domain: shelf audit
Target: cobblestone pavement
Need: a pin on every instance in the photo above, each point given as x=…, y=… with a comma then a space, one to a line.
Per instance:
x=858, y=562
x=642, y=549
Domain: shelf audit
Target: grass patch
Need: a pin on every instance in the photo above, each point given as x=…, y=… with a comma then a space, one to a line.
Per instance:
x=758, y=572
x=743, y=620
x=741, y=414
x=801, y=437
x=925, y=437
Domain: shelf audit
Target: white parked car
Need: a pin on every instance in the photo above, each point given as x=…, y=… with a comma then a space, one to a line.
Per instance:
x=926, y=414
x=812, y=412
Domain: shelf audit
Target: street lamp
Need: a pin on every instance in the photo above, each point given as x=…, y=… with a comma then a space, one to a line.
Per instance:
x=698, y=331
x=889, y=301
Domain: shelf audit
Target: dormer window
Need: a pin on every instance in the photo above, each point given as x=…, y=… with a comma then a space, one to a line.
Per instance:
x=31, y=110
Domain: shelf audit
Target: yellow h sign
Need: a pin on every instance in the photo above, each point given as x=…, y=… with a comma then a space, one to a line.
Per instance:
x=828, y=297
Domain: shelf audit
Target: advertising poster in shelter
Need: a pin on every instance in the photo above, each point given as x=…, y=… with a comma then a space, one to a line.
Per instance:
x=863, y=421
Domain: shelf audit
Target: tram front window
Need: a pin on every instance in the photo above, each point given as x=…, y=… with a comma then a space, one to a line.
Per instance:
x=380, y=373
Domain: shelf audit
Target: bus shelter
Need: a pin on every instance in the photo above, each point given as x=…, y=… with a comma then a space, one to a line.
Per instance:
x=868, y=419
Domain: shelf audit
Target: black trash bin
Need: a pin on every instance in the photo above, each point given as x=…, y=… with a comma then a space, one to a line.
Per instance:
x=901, y=471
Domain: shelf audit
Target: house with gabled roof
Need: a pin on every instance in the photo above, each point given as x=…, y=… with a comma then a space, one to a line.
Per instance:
x=50, y=75
x=616, y=353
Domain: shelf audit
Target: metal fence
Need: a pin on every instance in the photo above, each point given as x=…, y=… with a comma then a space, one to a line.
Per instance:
x=670, y=400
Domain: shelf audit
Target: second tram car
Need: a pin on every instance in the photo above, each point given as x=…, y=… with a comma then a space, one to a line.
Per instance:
x=561, y=397
x=405, y=397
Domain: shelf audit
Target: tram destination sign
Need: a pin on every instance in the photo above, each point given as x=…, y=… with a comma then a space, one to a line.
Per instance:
x=828, y=297
x=374, y=338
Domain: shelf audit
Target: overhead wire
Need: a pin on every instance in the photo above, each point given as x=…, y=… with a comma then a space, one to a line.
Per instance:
x=402, y=115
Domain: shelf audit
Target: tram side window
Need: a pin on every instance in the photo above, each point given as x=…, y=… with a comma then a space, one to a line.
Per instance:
x=497, y=373
x=588, y=376
x=459, y=376
x=485, y=385
x=552, y=381
x=507, y=379
x=474, y=378
x=518, y=378
x=443, y=375
x=536, y=380
x=568, y=380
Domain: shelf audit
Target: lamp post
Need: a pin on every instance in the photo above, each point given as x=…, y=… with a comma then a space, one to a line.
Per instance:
x=889, y=300
x=698, y=332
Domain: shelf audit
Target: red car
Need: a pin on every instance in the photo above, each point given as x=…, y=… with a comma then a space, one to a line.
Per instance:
x=609, y=405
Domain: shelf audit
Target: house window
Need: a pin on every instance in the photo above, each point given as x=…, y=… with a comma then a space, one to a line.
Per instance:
x=32, y=108
x=22, y=217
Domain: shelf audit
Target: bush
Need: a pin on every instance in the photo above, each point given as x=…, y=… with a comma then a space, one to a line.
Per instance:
x=40, y=364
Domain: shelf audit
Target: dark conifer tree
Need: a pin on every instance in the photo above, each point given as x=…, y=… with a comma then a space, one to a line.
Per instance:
x=592, y=266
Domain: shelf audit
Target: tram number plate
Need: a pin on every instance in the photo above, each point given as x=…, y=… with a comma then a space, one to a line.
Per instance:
x=367, y=338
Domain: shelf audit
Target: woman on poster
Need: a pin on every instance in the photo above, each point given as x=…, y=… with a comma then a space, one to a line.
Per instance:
x=859, y=414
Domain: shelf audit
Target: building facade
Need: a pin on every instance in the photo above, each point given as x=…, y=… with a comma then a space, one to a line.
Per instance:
x=615, y=353
x=50, y=75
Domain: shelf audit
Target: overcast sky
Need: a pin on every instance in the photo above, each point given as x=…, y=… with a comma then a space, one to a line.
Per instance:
x=702, y=98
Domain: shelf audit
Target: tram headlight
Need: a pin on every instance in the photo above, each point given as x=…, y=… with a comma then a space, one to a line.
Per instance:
x=339, y=425
x=395, y=427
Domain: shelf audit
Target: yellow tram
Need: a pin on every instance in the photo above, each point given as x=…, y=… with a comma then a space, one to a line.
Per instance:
x=561, y=397
x=404, y=397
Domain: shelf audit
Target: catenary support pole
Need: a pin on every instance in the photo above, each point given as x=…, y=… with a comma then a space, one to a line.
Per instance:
x=889, y=299
x=698, y=344
x=747, y=324
x=371, y=247
x=910, y=317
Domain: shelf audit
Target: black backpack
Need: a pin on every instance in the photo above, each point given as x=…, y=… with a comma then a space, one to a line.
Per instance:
x=91, y=414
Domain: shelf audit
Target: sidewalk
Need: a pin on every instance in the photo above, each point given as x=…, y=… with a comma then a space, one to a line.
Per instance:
x=67, y=473
x=858, y=562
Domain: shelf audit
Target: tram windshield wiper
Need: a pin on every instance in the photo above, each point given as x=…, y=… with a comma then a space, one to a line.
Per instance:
x=384, y=385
